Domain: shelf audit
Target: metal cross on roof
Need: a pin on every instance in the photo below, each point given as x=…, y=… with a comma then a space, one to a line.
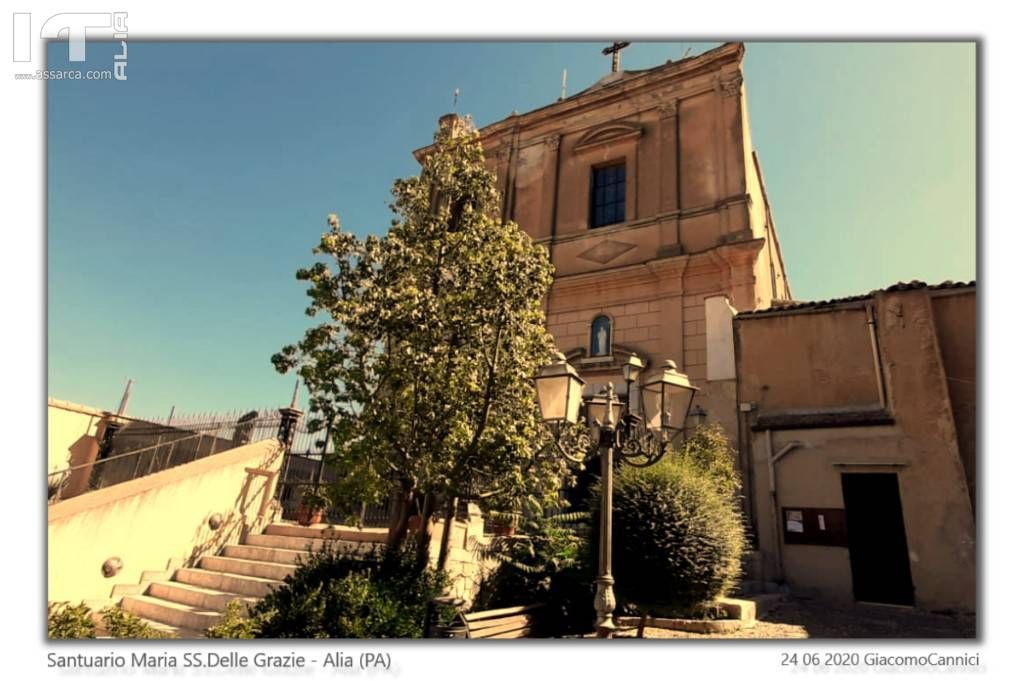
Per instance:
x=614, y=50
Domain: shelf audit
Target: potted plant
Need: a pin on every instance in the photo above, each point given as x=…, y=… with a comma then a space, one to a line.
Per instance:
x=312, y=507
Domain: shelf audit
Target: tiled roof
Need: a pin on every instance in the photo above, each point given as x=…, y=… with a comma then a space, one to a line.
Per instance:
x=788, y=305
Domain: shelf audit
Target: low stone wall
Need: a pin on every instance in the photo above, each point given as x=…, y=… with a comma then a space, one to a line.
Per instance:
x=157, y=521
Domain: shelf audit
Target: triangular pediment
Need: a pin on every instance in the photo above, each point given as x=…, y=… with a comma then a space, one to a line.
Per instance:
x=614, y=132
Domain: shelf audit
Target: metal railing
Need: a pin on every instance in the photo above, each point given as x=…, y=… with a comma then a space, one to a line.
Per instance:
x=131, y=449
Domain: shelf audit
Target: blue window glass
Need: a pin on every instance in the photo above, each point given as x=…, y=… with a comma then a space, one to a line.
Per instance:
x=608, y=195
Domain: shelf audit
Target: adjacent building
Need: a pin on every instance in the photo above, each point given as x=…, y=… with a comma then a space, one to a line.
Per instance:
x=858, y=444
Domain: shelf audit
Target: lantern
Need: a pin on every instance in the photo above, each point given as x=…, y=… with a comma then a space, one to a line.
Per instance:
x=559, y=391
x=666, y=398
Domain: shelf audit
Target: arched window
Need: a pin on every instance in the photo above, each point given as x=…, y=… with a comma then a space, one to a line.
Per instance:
x=600, y=336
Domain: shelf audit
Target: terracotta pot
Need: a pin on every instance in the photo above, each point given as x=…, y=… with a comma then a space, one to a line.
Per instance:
x=309, y=516
x=504, y=530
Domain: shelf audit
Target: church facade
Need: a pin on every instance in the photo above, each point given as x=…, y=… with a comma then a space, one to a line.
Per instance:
x=646, y=190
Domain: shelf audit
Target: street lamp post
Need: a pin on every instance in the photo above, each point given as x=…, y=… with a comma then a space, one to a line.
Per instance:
x=638, y=440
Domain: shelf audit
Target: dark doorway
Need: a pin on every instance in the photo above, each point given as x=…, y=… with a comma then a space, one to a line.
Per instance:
x=878, y=542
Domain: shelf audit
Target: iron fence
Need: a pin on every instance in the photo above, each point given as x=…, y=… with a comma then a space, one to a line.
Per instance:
x=301, y=472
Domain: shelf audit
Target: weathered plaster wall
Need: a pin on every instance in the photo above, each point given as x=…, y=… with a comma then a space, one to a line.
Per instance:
x=156, y=521
x=808, y=361
x=940, y=533
x=955, y=322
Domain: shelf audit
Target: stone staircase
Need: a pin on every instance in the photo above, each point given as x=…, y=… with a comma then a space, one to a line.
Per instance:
x=192, y=599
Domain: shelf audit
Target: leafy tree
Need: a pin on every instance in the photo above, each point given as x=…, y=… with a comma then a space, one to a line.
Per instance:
x=430, y=337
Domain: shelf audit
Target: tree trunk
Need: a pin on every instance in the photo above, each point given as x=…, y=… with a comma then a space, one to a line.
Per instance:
x=423, y=536
x=643, y=625
x=449, y=516
x=401, y=509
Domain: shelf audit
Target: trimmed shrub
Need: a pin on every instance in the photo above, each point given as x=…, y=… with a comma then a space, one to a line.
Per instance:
x=64, y=620
x=678, y=530
x=342, y=593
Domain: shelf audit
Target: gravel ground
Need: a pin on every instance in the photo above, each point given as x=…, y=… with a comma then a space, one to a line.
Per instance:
x=799, y=618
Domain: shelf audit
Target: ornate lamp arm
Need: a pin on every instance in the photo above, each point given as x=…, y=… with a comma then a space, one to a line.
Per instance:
x=639, y=447
x=572, y=443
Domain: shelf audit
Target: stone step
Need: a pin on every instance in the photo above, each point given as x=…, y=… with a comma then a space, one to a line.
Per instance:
x=245, y=585
x=171, y=631
x=168, y=612
x=280, y=541
x=196, y=596
x=767, y=602
x=264, y=553
x=250, y=568
x=328, y=532
x=750, y=587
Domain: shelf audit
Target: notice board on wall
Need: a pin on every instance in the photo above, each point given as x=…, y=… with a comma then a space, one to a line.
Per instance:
x=815, y=526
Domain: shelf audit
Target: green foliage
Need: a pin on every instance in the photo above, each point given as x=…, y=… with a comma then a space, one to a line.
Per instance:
x=76, y=621
x=542, y=564
x=120, y=623
x=338, y=593
x=678, y=531
x=315, y=500
x=64, y=620
x=236, y=623
x=429, y=339
x=708, y=450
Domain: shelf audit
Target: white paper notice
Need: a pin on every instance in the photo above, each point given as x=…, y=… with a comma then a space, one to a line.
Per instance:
x=794, y=521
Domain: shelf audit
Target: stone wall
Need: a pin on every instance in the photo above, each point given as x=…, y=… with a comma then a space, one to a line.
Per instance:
x=157, y=521
x=464, y=565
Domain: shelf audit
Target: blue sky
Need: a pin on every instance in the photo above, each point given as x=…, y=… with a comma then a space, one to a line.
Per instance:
x=181, y=201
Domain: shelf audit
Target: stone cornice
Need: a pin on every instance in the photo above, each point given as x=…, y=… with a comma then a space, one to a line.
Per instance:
x=725, y=255
x=625, y=275
x=650, y=220
x=652, y=79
